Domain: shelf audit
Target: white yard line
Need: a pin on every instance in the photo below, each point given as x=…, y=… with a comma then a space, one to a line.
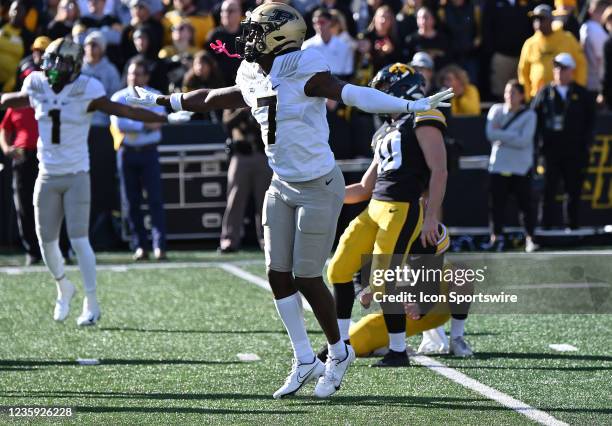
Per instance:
x=17, y=270
x=254, y=279
x=436, y=366
x=500, y=397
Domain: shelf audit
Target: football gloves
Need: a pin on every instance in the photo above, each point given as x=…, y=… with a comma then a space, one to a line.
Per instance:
x=144, y=98
x=431, y=102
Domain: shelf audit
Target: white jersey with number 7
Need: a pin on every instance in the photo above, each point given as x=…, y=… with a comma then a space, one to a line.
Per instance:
x=293, y=126
x=63, y=122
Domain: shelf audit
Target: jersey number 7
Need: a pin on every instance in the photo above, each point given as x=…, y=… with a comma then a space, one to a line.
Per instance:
x=55, y=125
x=270, y=102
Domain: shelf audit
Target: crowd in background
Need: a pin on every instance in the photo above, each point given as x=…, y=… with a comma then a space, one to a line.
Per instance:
x=486, y=50
x=475, y=46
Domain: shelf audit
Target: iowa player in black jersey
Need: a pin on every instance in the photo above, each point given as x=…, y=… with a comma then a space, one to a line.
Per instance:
x=409, y=159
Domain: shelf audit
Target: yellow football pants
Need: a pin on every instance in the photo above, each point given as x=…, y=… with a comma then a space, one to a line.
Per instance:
x=370, y=333
x=383, y=228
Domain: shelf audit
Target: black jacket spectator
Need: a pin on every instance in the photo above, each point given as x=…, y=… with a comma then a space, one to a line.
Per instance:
x=505, y=26
x=572, y=137
x=67, y=14
x=460, y=24
x=228, y=66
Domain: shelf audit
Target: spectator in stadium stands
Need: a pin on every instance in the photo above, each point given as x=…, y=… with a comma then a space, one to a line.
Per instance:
x=340, y=6
x=204, y=74
x=95, y=18
x=231, y=15
x=18, y=136
x=607, y=79
x=67, y=15
x=248, y=176
x=187, y=9
x=592, y=38
x=459, y=20
x=96, y=64
x=428, y=39
x=338, y=53
x=423, y=63
x=109, y=8
x=536, y=61
x=565, y=17
x=142, y=18
x=139, y=168
x=13, y=40
x=49, y=10
x=109, y=25
x=384, y=45
x=406, y=19
x=339, y=29
x=566, y=118
x=505, y=27
x=510, y=128
x=158, y=78
x=467, y=98
x=32, y=62
x=182, y=42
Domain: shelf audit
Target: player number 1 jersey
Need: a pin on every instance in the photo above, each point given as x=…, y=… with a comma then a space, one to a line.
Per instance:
x=63, y=122
x=293, y=126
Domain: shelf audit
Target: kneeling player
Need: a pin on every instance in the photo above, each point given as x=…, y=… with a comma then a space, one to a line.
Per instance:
x=409, y=158
x=370, y=333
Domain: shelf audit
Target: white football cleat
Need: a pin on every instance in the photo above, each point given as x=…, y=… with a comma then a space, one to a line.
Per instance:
x=460, y=348
x=335, y=369
x=434, y=342
x=91, y=312
x=65, y=293
x=300, y=375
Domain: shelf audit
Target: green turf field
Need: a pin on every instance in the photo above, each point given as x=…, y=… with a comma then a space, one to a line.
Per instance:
x=169, y=338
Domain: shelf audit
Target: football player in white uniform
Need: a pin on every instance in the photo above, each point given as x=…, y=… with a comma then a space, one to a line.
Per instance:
x=64, y=100
x=286, y=88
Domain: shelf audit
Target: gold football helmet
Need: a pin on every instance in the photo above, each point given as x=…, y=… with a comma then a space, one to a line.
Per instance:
x=62, y=61
x=270, y=29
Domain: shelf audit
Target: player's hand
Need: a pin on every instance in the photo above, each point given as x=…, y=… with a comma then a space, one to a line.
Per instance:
x=432, y=101
x=144, y=98
x=412, y=310
x=365, y=298
x=429, y=232
x=179, y=117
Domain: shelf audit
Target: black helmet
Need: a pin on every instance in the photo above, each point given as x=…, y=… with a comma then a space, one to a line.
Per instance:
x=62, y=61
x=399, y=80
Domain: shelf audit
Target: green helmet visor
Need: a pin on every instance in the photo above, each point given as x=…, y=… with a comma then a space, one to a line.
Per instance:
x=57, y=69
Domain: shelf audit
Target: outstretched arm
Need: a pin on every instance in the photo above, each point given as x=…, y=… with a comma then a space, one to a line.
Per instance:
x=367, y=99
x=362, y=191
x=202, y=100
x=14, y=100
x=114, y=108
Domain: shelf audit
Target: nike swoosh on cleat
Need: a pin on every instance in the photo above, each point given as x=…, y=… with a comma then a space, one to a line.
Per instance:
x=301, y=378
x=327, y=182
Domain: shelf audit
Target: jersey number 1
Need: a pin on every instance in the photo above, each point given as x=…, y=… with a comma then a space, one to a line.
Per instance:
x=270, y=102
x=55, y=127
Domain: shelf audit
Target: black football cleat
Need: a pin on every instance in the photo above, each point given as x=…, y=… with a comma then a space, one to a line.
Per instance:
x=393, y=359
